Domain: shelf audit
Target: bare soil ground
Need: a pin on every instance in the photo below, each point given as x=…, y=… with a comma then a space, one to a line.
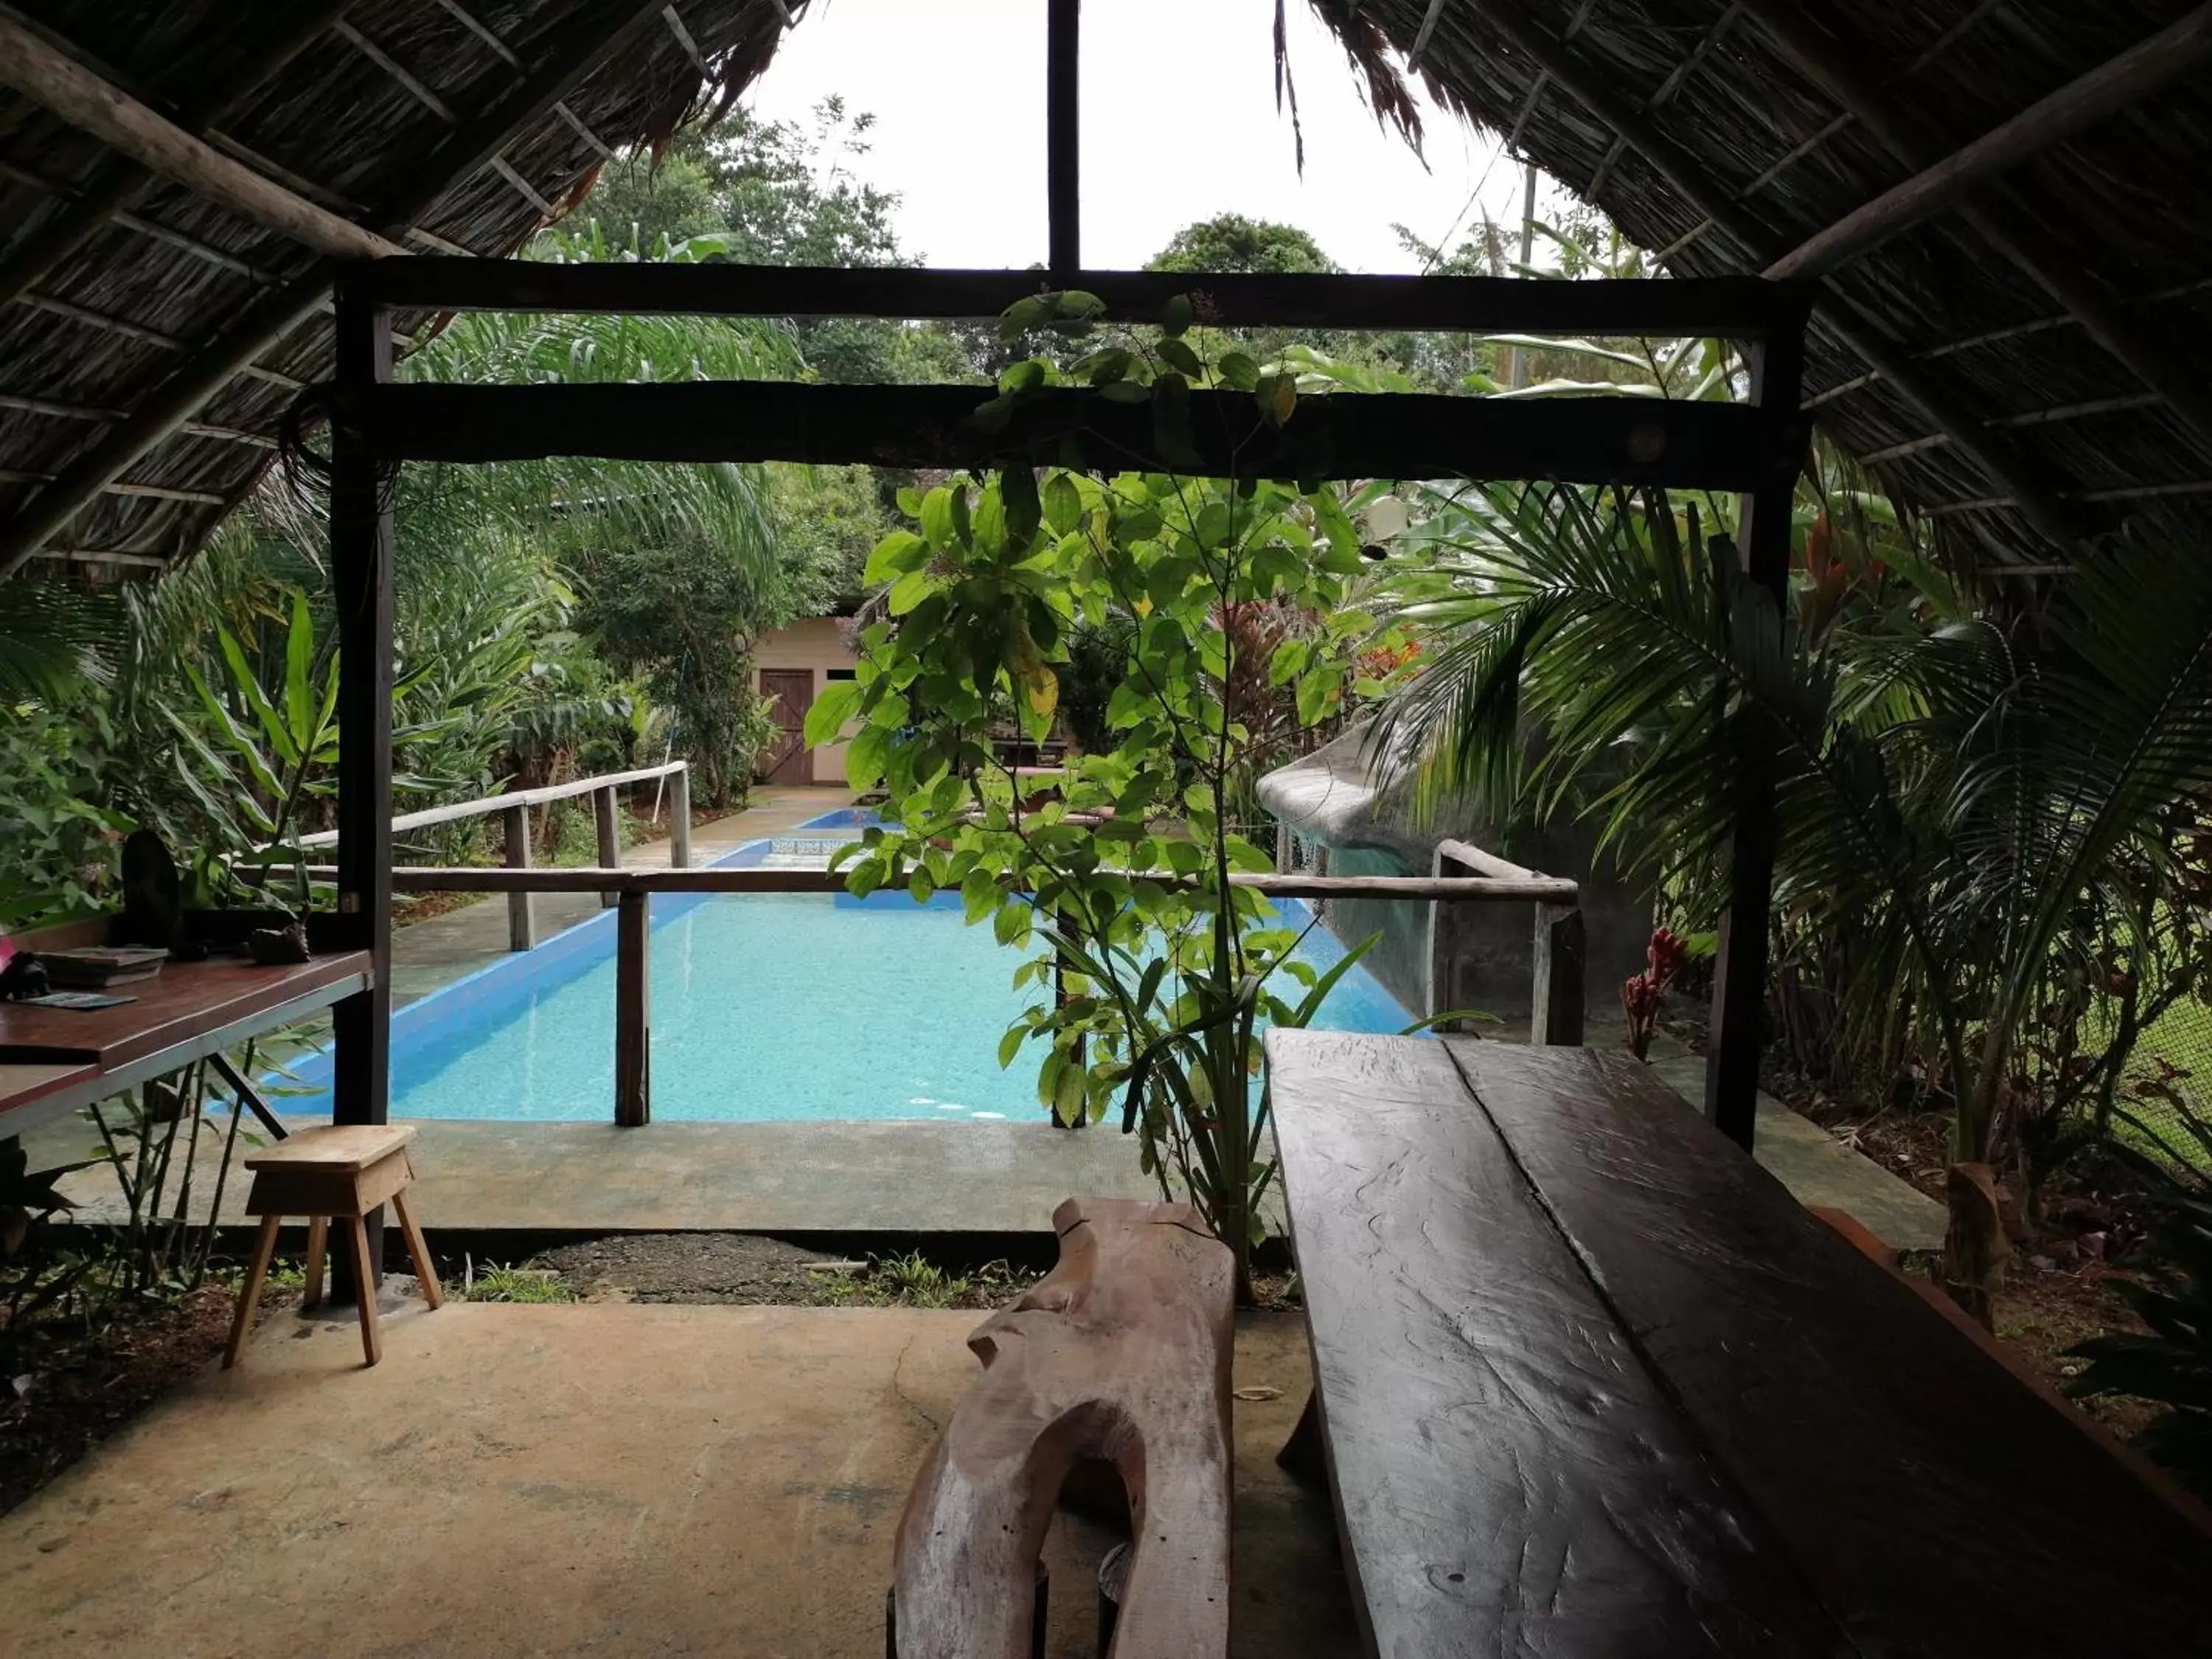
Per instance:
x=71, y=1389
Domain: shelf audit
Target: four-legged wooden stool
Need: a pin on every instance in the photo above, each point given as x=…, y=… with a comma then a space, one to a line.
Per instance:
x=339, y=1173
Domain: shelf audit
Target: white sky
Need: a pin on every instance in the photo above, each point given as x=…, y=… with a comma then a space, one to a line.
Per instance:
x=1179, y=124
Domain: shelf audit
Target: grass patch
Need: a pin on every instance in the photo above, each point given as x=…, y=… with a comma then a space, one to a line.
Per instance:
x=913, y=1280
x=493, y=1283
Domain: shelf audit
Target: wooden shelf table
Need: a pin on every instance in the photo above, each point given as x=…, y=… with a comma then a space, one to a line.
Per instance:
x=54, y=1061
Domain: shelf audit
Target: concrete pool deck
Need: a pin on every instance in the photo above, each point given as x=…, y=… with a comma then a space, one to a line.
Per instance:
x=605, y=1478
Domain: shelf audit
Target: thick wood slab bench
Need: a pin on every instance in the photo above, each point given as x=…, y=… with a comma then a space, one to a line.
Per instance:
x=1122, y=1353
x=1590, y=1382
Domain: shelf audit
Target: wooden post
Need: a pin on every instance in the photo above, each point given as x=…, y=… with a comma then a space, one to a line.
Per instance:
x=1557, y=999
x=633, y=1011
x=679, y=818
x=1445, y=942
x=607, y=810
x=1738, y=1004
x=1285, y=846
x=361, y=577
x=522, y=926
x=1063, y=139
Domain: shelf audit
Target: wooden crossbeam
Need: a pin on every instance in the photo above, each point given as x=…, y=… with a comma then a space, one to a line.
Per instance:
x=78, y=96
x=2096, y=96
x=1732, y=308
x=119, y=182
x=1345, y=435
x=455, y=159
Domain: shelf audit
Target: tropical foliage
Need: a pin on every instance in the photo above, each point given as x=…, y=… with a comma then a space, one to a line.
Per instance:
x=1151, y=971
x=1992, y=813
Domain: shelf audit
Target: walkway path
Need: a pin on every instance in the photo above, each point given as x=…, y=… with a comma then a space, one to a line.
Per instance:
x=426, y=955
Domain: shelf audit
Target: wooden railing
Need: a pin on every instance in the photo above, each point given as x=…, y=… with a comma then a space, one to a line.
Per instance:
x=1559, y=1014
x=522, y=927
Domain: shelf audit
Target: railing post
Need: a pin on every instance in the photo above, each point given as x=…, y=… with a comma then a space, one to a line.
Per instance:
x=522, y=926
x=1556, y=1011
x=1441, y=981
x=633, y=1011
x=679, y=818
x=608, y=813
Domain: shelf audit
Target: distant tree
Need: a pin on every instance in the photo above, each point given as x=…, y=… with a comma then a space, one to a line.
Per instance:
x=1229, y=241
x=771, y=193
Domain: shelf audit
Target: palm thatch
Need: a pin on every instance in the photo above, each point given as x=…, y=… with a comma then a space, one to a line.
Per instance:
x=364, y=117
x=1970, y=358
x=2028, y=364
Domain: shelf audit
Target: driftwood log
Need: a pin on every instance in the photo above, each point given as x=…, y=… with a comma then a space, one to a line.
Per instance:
x=1120, y=1354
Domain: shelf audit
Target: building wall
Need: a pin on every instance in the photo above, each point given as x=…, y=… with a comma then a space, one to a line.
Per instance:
x=817, y=643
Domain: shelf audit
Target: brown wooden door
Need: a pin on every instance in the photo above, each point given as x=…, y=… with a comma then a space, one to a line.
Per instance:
x=789, y=760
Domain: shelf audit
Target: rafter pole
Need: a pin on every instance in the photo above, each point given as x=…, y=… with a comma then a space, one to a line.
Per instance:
x=91, y=104
x=2101, y=94
x=1831, y=65
x=1850, y=324
x=119, y=182
x=455, y=159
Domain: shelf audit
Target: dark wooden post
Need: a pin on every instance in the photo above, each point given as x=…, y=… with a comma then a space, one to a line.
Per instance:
x=1557, y=997
x=361, y=577
x=1063, y=137
x=522, y=925
x=633, y=1011
x=679, y=818
x=1739, y=1003
x=606, y=812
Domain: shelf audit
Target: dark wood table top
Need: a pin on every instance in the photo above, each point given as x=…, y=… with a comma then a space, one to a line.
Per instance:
x=177, y=1013
x=1591, y=1382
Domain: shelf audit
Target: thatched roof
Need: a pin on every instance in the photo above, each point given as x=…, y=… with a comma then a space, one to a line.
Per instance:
x=366, y=109
x=2010, y=313
x=2029, y=360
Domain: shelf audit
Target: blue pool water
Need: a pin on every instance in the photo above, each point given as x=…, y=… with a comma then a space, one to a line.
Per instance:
x=765, y=1007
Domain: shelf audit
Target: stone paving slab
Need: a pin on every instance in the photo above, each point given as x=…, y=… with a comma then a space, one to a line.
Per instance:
x=602, y=1479
x=1819, y=1170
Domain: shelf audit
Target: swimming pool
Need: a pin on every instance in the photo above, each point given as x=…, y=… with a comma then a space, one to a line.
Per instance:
x=765, y=1006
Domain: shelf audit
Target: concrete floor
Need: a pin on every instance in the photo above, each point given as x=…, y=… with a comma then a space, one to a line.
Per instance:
x=602, y=1479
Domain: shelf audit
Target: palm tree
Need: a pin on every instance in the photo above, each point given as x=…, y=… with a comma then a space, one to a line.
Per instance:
x=1989, y=810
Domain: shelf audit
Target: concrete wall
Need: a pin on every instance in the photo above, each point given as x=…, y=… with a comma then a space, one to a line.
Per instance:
x=817, y=643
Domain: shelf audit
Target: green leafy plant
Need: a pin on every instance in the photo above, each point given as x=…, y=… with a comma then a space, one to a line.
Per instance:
x=524, y=1283
x=1153, y=970
x=2172, y=1362
x=1988, y=809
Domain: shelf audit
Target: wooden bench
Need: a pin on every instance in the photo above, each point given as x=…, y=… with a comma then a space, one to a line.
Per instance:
x=1587, y=1381
x=333, y=1173
x=1122, y=1353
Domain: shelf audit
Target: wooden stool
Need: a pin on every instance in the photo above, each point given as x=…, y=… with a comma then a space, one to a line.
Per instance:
x=336, y=1174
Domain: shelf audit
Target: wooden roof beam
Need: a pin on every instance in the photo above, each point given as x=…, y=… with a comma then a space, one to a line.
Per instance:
x=454, y=159
x=2104, y=92
x=118, y=183
x=1832, y=66
x=507, y=55
x=2038, y=505
x=82, y=98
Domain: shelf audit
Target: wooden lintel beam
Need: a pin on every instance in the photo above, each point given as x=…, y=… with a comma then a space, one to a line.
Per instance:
x=1832, y=65
x=2096, y=96
x=1741, y=309
x=82, y=98
x=1344, y=435
x=453, y=160
x=1858, y=332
